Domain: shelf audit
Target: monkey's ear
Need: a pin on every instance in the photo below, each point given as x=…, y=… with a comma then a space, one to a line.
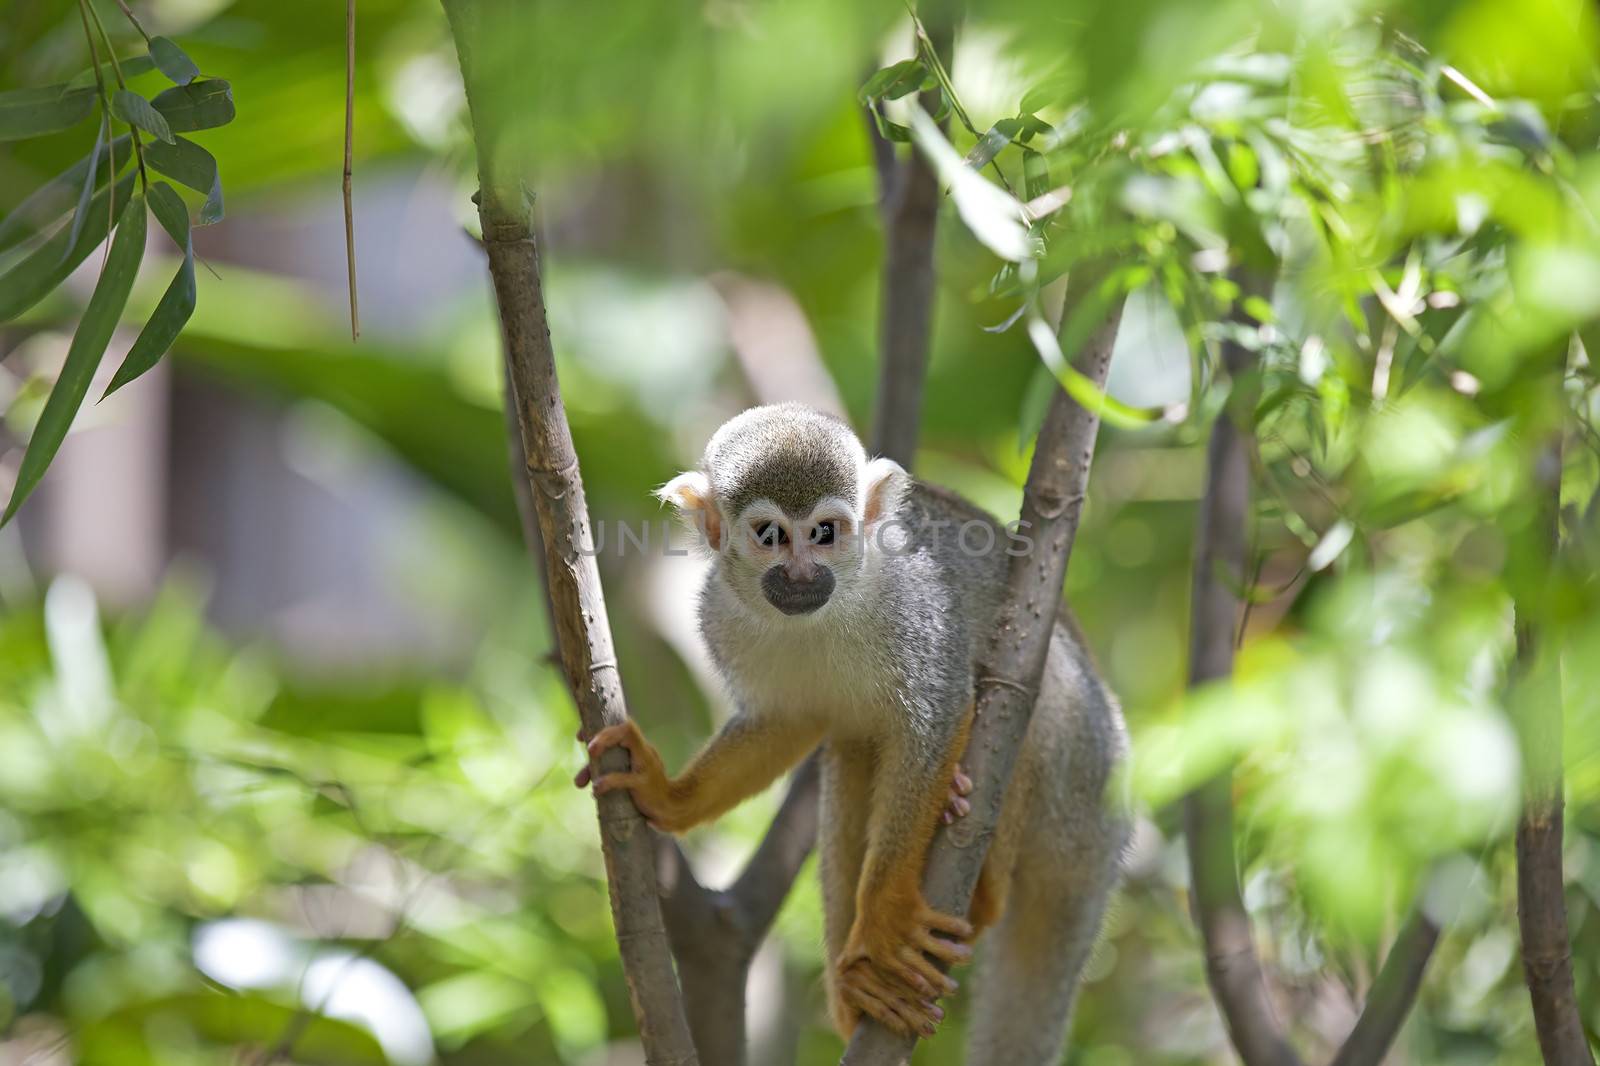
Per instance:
x=885, y=484
x=690, y=493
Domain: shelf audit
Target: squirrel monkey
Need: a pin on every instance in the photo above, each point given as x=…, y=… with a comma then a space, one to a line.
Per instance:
x=846, y=607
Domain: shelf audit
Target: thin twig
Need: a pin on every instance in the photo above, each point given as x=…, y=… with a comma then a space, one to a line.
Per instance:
x=128, y=11
x=116, y=70
x=111, y=142
x=349, y=153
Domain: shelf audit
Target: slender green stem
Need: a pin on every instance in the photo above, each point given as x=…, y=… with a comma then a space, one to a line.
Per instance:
x=128, y=11
x=105, y=116
x=116, y=69
x=930, y=56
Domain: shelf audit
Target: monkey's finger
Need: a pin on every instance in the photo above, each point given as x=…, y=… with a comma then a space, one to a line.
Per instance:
x=581, y=779
x=962, y=783
x=913, y=967
x=959, y=928
x=624, y=735
x=950, y=952
x=885, y=1004
x=876, y=1010
x=611, y=782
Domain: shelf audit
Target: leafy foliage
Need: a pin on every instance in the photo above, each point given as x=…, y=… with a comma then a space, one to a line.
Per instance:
x=1394, y=205
x=103, y=204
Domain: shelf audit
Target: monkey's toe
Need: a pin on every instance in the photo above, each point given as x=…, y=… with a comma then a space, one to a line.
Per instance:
x=864, y=988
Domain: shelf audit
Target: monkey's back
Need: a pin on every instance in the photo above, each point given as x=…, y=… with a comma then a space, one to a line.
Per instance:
x=1076, y=736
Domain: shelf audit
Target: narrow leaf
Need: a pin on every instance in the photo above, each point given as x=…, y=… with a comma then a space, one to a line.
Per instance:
x=177, y=303
x=1088, y=395
x=91, y=174
x=1332, y=544
x=173, y=61
x=35, y=112
x=46, y=204
x=993, y=215
x=188, y=164
x=890, y=131
x=135, y=110
x=990, y=143
x=1035, y=174
x=84, y=354
x=202, y=105
x=30, y=280
x=895, y=81
x=131, y=67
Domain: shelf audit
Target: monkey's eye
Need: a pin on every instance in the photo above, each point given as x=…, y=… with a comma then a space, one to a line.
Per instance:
x=822, y=533
x=770, y=534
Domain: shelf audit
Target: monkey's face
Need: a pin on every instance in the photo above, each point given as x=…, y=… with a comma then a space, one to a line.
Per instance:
x=796, y=557
x=790, y=505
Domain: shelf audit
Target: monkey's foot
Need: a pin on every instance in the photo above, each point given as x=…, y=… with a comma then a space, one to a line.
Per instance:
x=861, y=987
x=905, y=940
x=956, y=804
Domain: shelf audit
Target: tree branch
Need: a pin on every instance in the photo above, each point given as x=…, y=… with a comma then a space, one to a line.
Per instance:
x=715, y=933
x=1541, y=886
x=908, y=192
x=1233, y=968
x=482, y=32
x=1008, y=675
x=1392, y=994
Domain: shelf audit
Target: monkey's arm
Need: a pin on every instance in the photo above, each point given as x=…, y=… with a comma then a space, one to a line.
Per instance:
x=887, y=968
x=746, y=755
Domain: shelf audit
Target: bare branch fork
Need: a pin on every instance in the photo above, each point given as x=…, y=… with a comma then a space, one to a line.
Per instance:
x=1008, y=675
x=1233, y=968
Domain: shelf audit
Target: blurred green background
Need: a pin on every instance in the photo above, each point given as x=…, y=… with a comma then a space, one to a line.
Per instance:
x=284, y=766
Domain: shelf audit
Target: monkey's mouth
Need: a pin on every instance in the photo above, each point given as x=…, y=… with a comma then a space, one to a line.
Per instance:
x=797, y=597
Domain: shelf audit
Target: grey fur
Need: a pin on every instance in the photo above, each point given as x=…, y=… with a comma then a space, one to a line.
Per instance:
x=787, y=453
x=885, y=670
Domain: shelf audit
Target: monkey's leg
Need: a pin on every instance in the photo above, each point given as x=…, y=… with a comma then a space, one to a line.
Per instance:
x=747, y=755
x=1030, y=964
x=896, y=933
x=847, y=769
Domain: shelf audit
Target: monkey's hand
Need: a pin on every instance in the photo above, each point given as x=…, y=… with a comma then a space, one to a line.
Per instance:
x=654, y=793
x=956, y=805
x=887, y=968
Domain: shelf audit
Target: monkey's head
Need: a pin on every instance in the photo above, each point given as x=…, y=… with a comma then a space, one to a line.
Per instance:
x=791, y=505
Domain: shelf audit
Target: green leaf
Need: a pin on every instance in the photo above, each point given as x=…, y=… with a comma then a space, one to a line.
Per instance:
x=177, y=303
x=228, y=1019
x=891, y=131
x=30, y=280
x=189, y=164
x=131, y=67
x=990, y=143
x=1031, y=127
x=203, y=105
x=893, y=82
x=89, y=178
x=84, y=354
x=1035, y=173
x=173, y=61
x=135, y=110
x=46, y=204
x=35, y=112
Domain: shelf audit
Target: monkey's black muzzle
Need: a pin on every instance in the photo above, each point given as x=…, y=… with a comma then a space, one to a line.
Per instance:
x=794, y=596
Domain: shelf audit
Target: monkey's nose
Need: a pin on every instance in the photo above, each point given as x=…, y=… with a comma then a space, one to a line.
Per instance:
x=795, y=595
